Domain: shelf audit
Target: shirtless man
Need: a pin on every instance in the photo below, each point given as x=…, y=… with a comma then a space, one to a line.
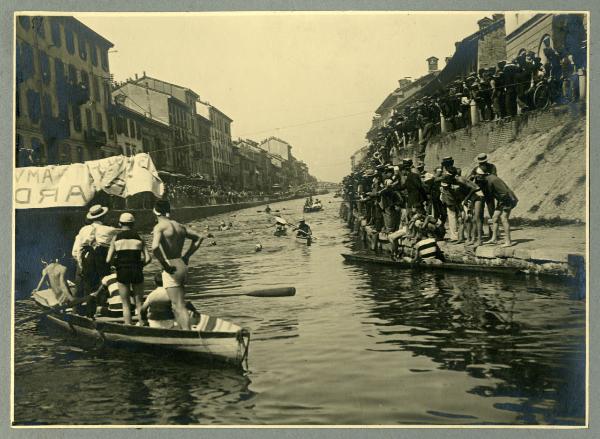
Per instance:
x=168, y=239
x=55, y=274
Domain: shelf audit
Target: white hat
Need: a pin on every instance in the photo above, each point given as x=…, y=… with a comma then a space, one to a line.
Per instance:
x=126, y=218
x=96, y=211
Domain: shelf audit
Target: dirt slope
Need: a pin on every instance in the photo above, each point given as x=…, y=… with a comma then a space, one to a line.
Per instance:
x=547, y=171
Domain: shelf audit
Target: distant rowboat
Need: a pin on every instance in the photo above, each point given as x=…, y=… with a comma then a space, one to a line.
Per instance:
x=213, y=339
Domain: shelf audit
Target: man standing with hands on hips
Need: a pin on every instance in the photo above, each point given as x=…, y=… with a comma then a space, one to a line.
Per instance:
x=168, y=239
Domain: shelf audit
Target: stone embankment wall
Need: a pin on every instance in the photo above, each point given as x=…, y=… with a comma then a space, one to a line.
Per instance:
x=540, y=155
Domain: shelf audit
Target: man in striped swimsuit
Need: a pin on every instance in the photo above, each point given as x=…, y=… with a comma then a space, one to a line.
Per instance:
x=131, y=255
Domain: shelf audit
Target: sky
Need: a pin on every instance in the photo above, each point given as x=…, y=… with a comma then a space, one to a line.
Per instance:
x=311, y=79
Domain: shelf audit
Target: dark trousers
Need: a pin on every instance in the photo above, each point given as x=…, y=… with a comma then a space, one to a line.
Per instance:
x=102, y=267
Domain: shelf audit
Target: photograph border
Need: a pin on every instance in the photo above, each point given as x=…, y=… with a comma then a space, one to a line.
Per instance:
x=7, y=160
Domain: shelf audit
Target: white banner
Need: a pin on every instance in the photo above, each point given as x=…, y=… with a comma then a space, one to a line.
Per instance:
x=74, y=185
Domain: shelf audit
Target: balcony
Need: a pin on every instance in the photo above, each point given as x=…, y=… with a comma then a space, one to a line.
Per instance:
x=95, y=137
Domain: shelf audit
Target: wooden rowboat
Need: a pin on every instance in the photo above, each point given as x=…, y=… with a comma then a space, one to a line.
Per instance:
x=444, y=266
x=304, y=239
x=314, y=208
x=213, y=339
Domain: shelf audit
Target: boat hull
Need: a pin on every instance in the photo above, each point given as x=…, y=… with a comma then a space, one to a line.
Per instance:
x=444, y=266
x=312, y=209
x=229, y=344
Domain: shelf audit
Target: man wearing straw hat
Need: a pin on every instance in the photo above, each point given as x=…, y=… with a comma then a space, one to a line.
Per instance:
x=91, y=248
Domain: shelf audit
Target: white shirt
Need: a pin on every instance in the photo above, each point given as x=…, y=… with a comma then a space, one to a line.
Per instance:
x=103, y=234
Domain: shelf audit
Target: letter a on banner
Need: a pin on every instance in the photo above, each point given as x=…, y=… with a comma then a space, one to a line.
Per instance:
x=52, y=186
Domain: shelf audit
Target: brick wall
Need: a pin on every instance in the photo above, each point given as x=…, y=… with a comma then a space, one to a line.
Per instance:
x=491, y=48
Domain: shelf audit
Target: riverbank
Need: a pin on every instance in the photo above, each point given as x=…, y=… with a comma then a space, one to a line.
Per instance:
x=556, y=251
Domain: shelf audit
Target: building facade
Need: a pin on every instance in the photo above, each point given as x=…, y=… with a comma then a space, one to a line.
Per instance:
x=203, y=156
x=63, y=103
x=565, y=33
x=170, y=105
x=278, y=147
x=221, y=145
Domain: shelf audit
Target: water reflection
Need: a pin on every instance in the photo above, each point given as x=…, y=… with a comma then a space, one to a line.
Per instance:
x=512, y=332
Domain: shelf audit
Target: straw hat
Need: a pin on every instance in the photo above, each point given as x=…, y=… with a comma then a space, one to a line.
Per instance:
x=96, y=211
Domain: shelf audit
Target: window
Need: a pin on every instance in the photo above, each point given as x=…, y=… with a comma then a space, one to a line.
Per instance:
x=72, y=74
x=24, y=22
x=47, y=105
x=80, y=154
x=131, y=128
x=59, y=70
x=85, y=79
x=38, y=25
x=88, y=119
x=76, y=117
x=110, y=126
x=96, y=88
x=18, y=100
x=106, y=92
x=94, y=51
x=104, y=59
x=138, y=131
x=25, y=66
x=45, y=67
x=99, y=123
x=33, y=106
x=120, y=125
x=55, y=32
x=37, y=151
x=69, y=41
x=82, y=48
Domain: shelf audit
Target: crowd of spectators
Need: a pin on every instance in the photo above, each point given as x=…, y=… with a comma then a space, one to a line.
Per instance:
x=190, y=194
x=185, y=194
x=408, y=201
x=522, y=84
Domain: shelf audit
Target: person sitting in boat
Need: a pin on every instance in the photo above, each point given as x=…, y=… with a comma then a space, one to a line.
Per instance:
x=428, y=252
x=54, y=274
x=107, y=298
x=157, y=309
x=303, y=229
x=222, y=226
x=131, y=255
x=268, y=209
x=427, y=226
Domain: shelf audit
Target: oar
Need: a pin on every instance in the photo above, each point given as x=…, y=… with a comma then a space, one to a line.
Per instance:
x=55, y=309
x=268, y=292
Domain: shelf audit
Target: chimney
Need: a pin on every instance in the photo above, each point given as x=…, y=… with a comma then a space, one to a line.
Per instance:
x=447, y=60
x=404, y=82
x=144, y=72
x=497, y=17
x=136, y=77
x=484, y=22
x=432, y=63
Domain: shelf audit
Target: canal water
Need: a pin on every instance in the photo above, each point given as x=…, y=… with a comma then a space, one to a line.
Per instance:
x=358, y=344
